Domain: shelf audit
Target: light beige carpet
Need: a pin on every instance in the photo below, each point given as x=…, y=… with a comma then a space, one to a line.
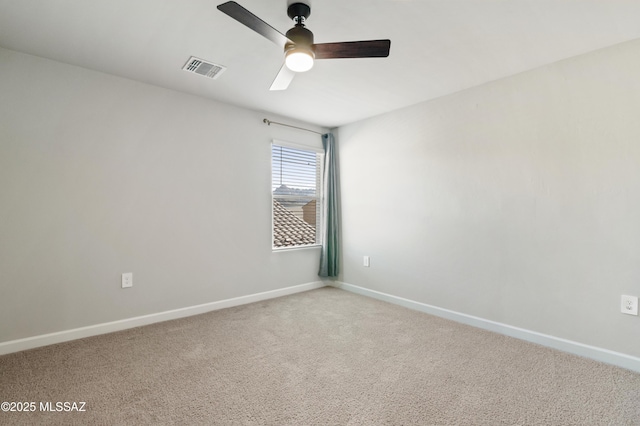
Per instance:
x=324, y=357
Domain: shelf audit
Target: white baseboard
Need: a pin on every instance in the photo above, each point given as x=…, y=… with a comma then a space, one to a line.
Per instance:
x=109, y=327
x=603, y=355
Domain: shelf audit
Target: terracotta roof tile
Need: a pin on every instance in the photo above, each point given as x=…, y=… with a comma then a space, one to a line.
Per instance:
x=290, y=230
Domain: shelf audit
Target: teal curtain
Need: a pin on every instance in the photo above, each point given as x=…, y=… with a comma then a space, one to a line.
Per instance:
x=330, y=255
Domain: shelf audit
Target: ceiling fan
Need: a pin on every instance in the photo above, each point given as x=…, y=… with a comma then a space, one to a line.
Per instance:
x=299, y=48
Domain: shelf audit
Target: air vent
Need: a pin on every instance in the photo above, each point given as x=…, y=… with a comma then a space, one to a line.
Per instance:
x=202, y=67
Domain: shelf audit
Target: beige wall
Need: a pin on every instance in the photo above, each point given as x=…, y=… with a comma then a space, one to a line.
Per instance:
x=100, y=175
x=516, y=202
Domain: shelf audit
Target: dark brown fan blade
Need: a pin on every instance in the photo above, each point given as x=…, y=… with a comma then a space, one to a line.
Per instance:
x=247, y=18
x=283, y=79
x=353, y=49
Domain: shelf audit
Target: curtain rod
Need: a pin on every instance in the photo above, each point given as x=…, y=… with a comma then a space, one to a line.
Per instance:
x=269, y=122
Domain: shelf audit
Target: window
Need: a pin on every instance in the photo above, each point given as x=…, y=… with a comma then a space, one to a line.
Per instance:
x=295, y=189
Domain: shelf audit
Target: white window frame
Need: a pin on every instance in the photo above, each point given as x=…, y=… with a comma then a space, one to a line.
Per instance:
x=319, y=193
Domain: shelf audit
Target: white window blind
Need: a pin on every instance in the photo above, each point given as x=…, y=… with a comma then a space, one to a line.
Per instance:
x=295, y=188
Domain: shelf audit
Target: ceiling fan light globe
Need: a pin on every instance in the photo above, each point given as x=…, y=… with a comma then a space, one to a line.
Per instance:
x=298, y=60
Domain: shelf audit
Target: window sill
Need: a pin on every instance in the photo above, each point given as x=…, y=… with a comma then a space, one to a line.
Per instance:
x=283, y=249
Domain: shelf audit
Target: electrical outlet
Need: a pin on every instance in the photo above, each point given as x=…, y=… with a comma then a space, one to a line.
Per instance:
x=127, y=280
x=629, y=305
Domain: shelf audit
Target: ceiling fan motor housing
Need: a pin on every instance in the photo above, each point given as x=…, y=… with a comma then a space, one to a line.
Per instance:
x=300, y=36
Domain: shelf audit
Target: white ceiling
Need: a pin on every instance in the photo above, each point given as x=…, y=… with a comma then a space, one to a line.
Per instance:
x=438, y=47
